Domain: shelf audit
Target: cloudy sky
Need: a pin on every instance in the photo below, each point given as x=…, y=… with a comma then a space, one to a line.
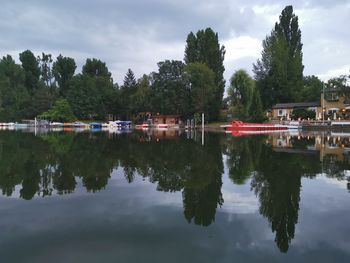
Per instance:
x=137, y=34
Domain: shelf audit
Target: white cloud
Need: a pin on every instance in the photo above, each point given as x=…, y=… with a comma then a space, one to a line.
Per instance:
x=243, y=46
x=344, y=70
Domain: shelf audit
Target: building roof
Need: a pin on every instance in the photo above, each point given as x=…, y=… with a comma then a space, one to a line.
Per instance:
x=166, y=116
x=294, y=105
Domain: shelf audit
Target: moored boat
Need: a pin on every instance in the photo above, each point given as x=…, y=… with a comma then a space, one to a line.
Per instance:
x=142, y=126
x=56, y=124
x=95, y=125
x=79, y=124
x=246, y=126
x=21, y=125
x=120, y=124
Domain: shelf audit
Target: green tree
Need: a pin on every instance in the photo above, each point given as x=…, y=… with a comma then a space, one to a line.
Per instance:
x=170, y=89
x=61, y=111
x=341, y=85
x=244, y=97
x=303, y=114
x=82, y=96
x=204, y=47
x=92, y=93
x=202, y=86
x=31, y=69
x=63, y=70
x=256, y=113
x=41, y=101
x=126, y=92
x=96, y=68
x=142, y=97
x=279, y=72
x=13, y=95
x=45, y=65
x=312, y=88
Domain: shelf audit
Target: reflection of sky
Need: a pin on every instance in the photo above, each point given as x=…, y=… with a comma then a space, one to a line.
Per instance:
x=136, y=223
x=238, y=199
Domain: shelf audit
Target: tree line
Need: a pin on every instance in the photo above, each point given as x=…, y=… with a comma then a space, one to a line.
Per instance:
x=48, y=88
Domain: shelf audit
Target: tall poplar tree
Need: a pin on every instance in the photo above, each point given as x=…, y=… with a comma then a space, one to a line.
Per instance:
x=279, y=72
x=204, y=47
x=63, y=70
x=31, y=69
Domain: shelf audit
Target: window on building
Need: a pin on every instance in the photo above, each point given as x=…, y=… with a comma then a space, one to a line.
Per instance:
x=281, y=113
x=331, y=96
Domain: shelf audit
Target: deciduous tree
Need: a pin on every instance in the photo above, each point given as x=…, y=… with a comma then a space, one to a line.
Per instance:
x=204, y=47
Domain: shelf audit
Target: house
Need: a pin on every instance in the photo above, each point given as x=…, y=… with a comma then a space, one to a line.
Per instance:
x=334, y=105
x=166, y=119
x=283, y=111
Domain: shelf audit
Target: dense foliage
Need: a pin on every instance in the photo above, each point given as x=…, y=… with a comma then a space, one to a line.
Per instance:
x=279, y=72
x=61, y=111
x=204, y=47
x=31, y=88
x=303, y=114
x=244, y=97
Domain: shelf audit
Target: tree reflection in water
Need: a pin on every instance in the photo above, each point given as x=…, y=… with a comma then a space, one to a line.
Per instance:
x=53, y=162
x=275, y=169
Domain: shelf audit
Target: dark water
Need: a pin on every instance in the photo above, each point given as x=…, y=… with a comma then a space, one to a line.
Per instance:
x=164, y=197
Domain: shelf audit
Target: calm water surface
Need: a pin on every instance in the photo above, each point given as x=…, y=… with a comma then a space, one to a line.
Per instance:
x=165, y=197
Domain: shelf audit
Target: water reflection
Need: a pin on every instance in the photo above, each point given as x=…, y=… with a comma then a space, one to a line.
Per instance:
x=276, y=163
x=54, y=162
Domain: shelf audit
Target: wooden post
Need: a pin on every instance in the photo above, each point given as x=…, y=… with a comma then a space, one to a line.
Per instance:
x=202, y=128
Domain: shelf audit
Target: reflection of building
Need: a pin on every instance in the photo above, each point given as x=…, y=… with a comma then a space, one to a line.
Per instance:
x=160, y=134
x=165, y=134
x=334, y=146
x=285, y=110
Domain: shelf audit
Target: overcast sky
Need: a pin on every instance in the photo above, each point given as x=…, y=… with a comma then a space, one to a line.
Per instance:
x=138, y=34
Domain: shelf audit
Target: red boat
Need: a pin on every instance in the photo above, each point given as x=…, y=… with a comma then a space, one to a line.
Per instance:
x=245, y=126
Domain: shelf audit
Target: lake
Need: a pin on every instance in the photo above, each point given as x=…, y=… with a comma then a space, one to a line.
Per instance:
x=163, y=196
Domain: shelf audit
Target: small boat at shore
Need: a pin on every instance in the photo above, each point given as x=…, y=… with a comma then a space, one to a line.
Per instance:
x=142, y=126
x=56, y=124
x=95, y=125
x=79, y=124
x=246, y=126
x=120, y=124
x=7, y=124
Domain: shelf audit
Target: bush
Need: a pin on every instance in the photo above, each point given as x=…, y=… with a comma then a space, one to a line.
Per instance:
x=61, y=111
x=303, y=114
